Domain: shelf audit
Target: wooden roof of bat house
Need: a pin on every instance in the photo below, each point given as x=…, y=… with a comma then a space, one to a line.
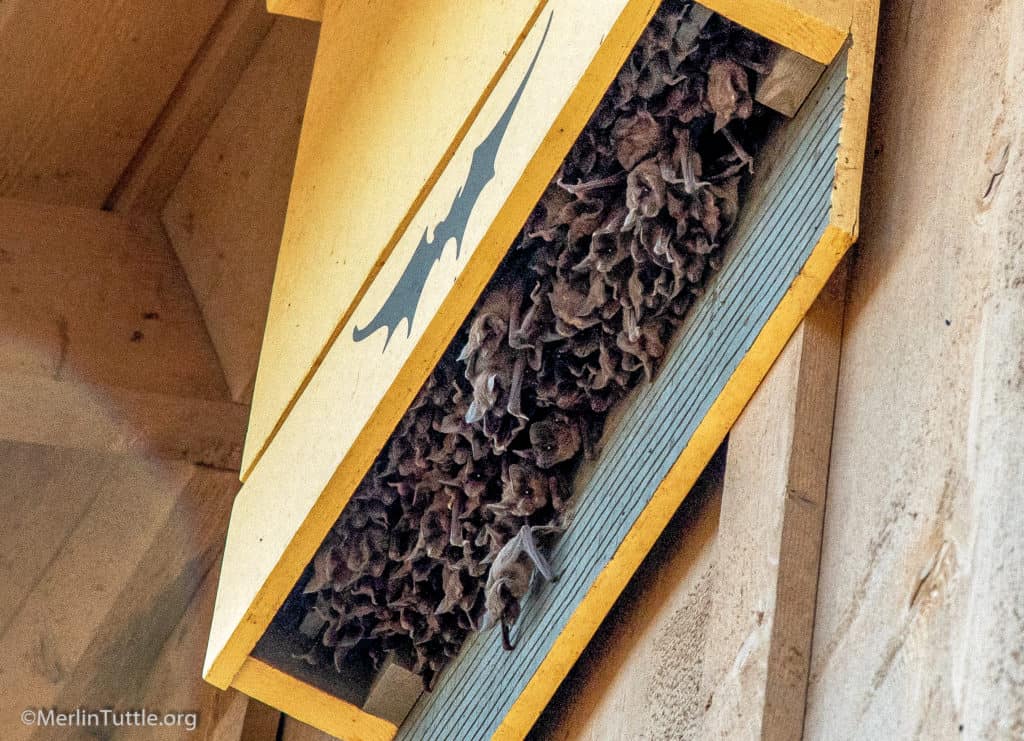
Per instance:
x=538, y=255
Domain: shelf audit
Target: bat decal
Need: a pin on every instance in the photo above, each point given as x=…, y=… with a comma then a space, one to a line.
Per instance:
x=405, y=296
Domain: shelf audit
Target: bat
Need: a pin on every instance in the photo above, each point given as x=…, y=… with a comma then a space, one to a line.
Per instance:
x=405, y=296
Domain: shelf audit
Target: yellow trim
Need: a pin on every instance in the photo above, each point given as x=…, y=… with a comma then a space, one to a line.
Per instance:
x=308, y=704
x=673, y=490
x=815, y=28
x=311, y=10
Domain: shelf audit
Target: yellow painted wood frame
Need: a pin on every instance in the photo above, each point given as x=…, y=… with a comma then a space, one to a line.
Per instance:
x=287, y=506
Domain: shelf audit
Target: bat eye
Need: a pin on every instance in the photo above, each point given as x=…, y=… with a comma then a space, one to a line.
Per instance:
x=547, y=448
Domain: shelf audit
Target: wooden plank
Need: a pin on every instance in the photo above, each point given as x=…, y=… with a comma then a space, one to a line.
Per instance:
x=310, y=705
x=95, y=298
x=173, y=680
x=917, y=628
x=72, y=118
x=43, y=485
x=759, y=632
x=378, y=78
x=335, y=448
x=82, y=588
x=164, y=154
x=641, y=675
x=312, y=10
x=789, y=82
x=815, y=28
x=225, y=215
x=294, y=730
x=394, y=691
x=262, y=722
x=101, y=655
x=67, y=414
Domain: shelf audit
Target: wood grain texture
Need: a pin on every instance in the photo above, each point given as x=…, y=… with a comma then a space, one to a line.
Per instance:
x=312, y=10
x=173, y=680
x=918, y=626
x=110, y=592
x=790, y=81
x=94, y=298
x=203, y=90
x=80, y=95
x=815, y=28
x=759, y=632
x=225, y=215
x=69, y=414
x=390, y=100
x=293, y=730
x=309, y=704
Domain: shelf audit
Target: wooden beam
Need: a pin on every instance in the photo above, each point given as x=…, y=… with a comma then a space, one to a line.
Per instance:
x=790, y=81
x=67, y=414
x=115, y=359
x=293, y=730
x=380, y=83
x=759, y=633
x=164, y=154
x=226, y=213
x=815, y=28
x=173, y=680
x=312, y=10
x=262, y=722
x=79, y=96
x=95, y=298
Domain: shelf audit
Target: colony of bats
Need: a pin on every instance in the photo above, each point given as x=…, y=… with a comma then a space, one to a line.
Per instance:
x=438, y=540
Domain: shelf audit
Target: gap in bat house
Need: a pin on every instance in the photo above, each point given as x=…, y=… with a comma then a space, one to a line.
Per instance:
x=443, y=536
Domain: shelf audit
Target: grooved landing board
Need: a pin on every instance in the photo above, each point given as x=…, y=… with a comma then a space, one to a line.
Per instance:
x=482, y=692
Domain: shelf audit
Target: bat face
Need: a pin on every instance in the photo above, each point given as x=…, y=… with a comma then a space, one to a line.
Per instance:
x=555, y=440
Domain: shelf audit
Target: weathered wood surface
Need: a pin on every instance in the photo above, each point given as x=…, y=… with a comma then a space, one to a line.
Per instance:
x=226, y=213
x=815, y=28
x=312, y=10
x=91, y=297
x=45, y=411
x=103, y=347
x=641, y=677
x=294, y=730
x=95, y=616
x=204, y=88
x=789, y=82
x=918, y=627
x=758, y=637
x=82, y=83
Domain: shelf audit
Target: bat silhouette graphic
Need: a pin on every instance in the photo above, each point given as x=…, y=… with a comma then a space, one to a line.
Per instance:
x=405, y=296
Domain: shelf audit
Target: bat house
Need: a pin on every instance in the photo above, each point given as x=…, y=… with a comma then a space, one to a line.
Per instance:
x=430, y=138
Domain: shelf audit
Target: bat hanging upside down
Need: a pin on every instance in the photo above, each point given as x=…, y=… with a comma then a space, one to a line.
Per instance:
x=509, y=578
